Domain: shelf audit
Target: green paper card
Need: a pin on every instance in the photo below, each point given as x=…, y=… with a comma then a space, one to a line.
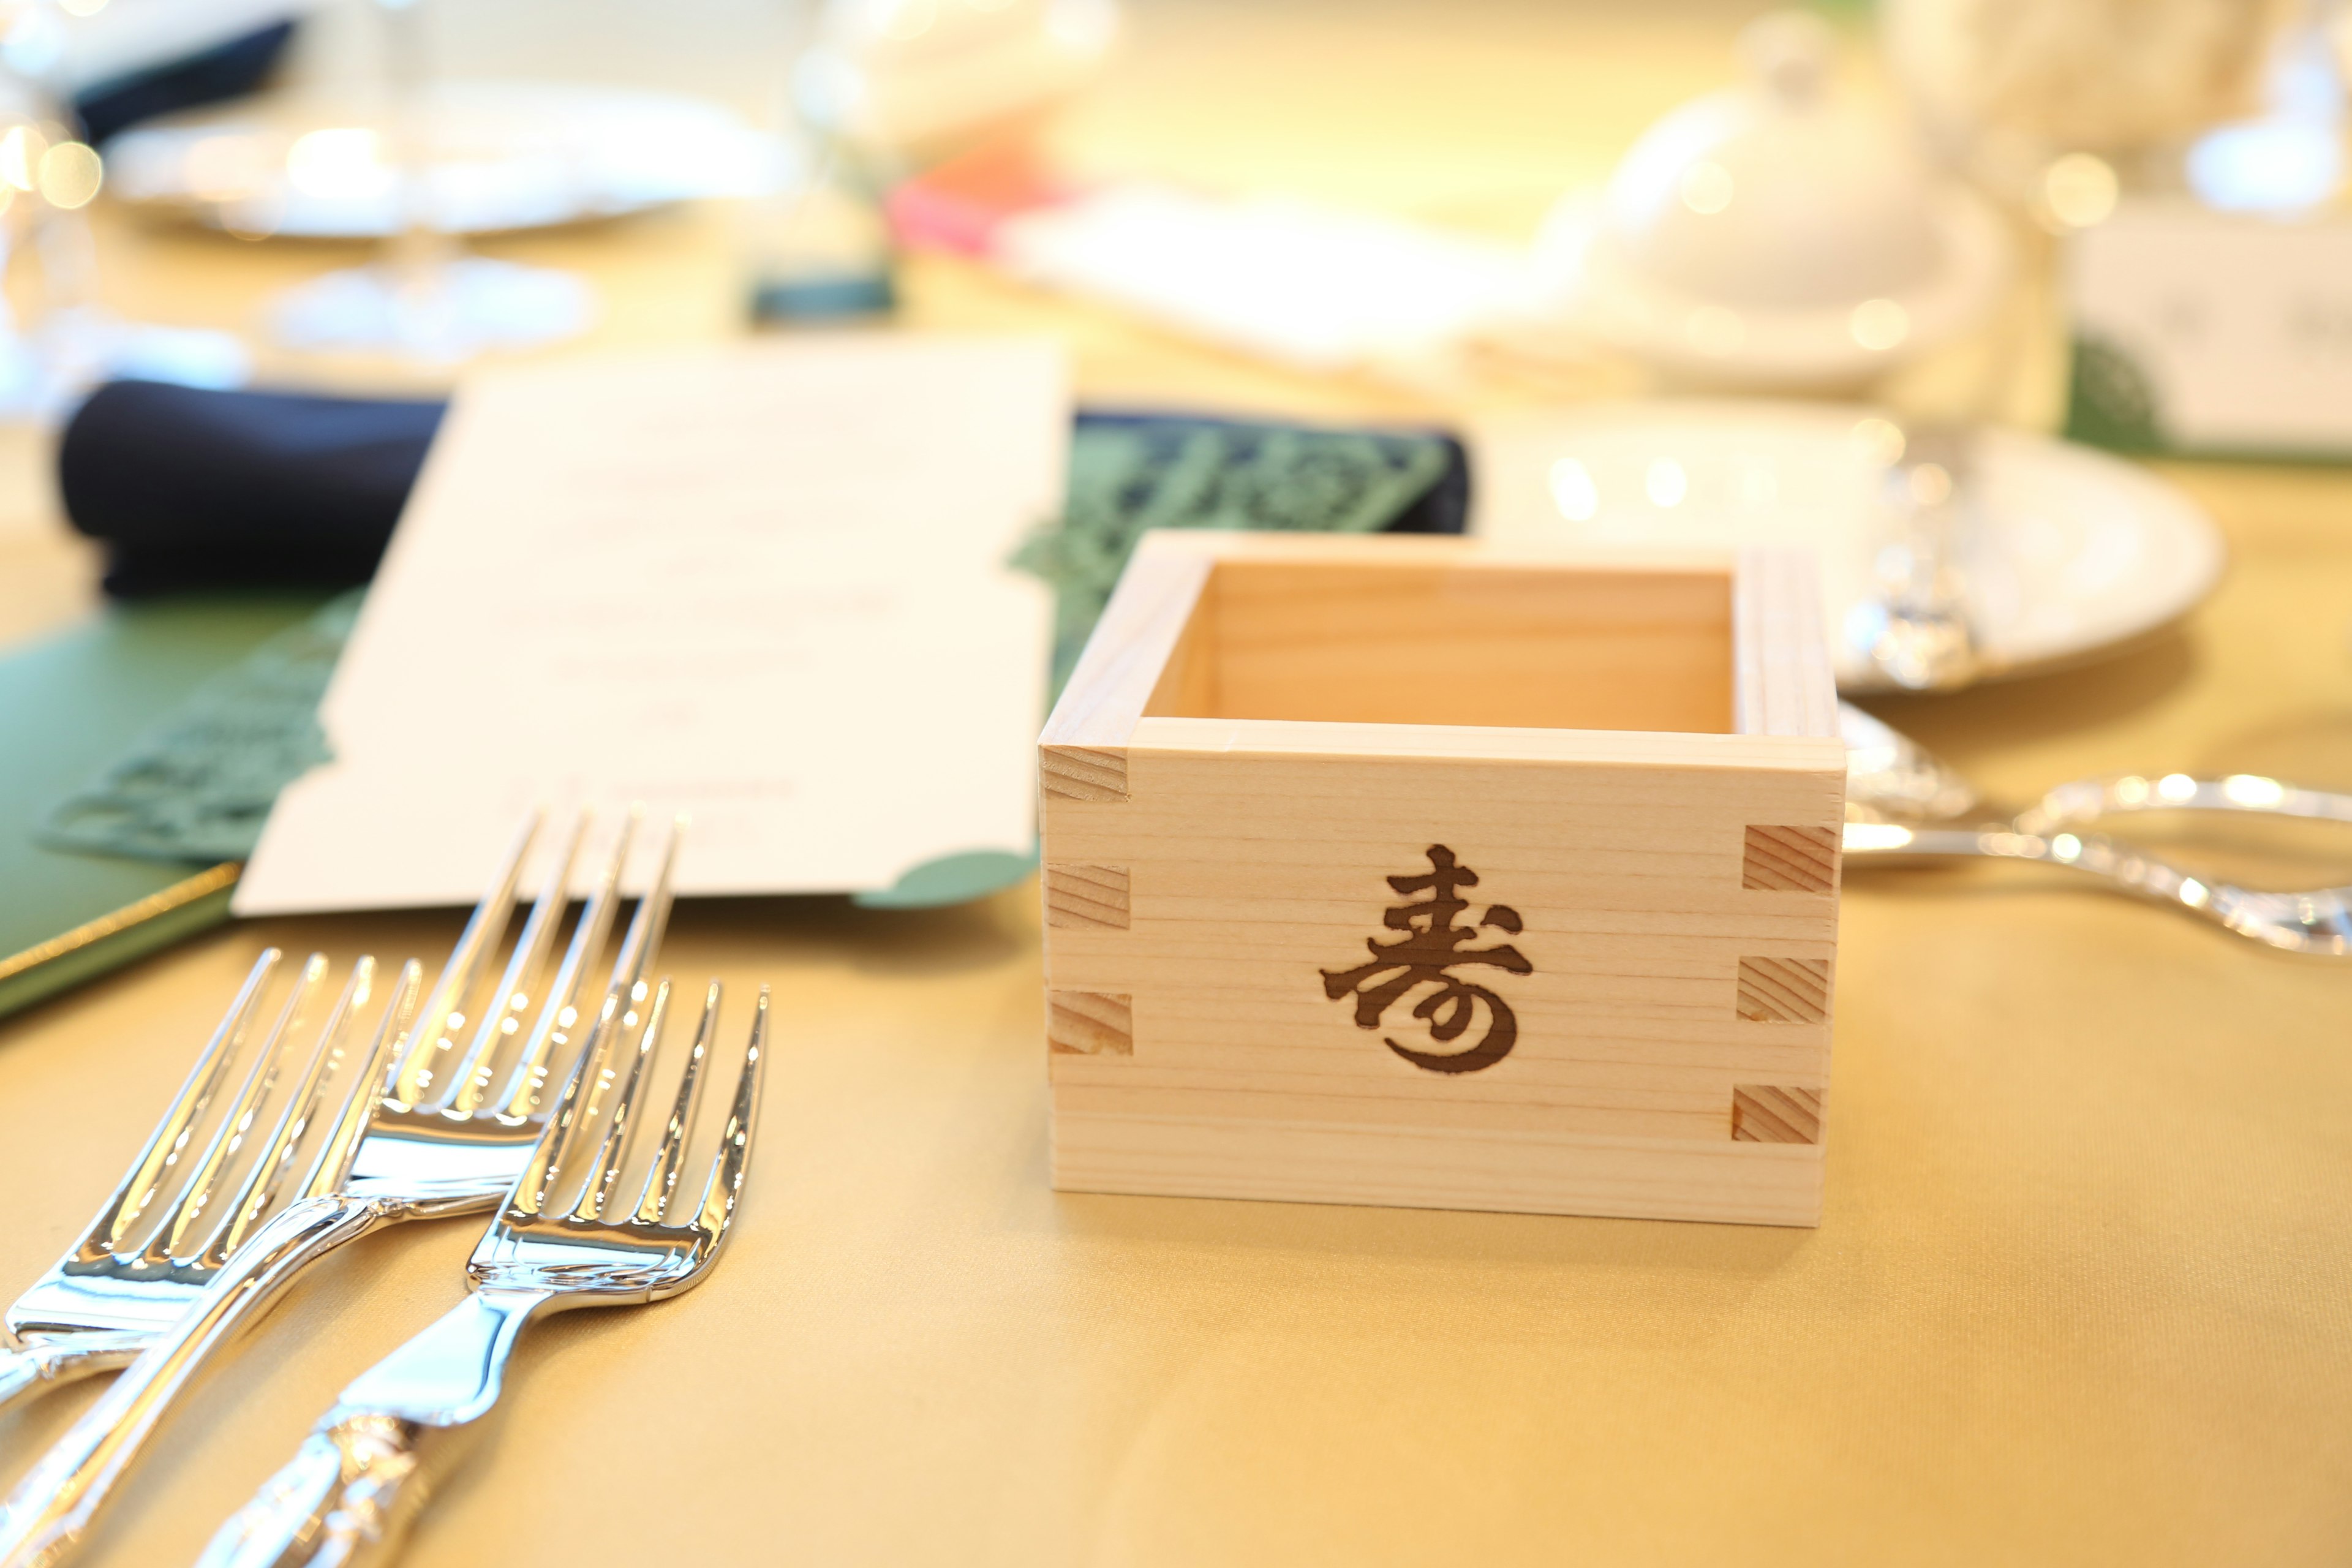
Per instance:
x=69, y=705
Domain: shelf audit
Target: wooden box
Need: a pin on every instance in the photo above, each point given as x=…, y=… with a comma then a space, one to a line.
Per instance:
x=1430, y=872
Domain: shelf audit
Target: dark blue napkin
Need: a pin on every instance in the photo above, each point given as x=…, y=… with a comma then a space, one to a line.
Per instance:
x=195, y=489
x=189, y=488
x=228, y=69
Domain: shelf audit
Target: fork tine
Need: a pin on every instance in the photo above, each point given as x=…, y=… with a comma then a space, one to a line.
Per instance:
x=537, y=1183
x=429, y=1041
x=372, y=1080
x=470, y=1080
x=613, y=1023
x=561, y=1014
x=269, y=1173
x=170, y=1240
x=615, y=1150
x=726, y=1183
x=146, y=1178
x=655, y=1200
x=652, y=918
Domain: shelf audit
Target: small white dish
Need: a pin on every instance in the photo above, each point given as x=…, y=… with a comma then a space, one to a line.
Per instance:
x=2071, y=552
x=1777, y=235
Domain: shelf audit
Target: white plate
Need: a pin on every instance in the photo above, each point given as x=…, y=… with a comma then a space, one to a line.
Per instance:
x=501, y=155
x=2073, y=551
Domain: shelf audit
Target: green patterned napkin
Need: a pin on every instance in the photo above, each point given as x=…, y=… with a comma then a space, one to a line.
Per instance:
x=198, y=786
x=1172, y=473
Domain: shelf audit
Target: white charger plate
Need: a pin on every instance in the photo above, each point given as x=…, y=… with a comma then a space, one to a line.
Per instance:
x=2071, y=551
x=499, y=155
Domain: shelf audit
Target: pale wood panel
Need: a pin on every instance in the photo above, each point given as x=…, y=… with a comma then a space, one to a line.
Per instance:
x=1588, y=982
x=1454, y=631
x=1492, y=744
x=1255, y=873
x=1130, y=647
x=1785, y=685
x=1189, y=683
x=1304, y=1161
x=1637, y=1113
x=1413, y=642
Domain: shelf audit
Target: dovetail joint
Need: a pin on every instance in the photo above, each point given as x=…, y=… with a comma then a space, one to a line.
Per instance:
x=1790, y=860
x=1775, y=1114
x=1784, y=990
x=1090, y=1024
x=1081, y=773
x=1084, y=897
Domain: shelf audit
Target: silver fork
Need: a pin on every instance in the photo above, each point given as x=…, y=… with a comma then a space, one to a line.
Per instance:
x=135, y=1272
x=1890, y=777
x=2318, y=921
x=434, y=1141
x=1903, y=802
x=349, y=1495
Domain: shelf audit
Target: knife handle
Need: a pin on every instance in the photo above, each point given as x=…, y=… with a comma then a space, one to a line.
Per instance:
x=58, y=1499
x=349, y=1493
x=347, y=1497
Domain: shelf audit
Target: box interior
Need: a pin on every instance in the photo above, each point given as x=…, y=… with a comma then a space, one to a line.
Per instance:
x=1415, y=643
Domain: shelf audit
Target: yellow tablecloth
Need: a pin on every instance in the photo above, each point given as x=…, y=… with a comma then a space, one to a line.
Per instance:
x=2081, y=1295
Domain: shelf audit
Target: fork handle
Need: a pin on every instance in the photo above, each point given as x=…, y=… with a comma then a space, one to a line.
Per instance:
x=57, y=1500
x=2086, y=800
x=27, y=1370
x=2093, y=854
x=349, y=1495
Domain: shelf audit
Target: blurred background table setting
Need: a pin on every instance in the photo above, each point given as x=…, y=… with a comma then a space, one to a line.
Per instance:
x=772, y=417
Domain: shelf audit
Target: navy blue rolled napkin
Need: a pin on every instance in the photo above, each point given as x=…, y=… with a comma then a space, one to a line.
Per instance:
x=227, y=69
x=192, y=488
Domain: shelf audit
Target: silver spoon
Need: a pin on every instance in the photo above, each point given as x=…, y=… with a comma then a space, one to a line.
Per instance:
x=1901, y=801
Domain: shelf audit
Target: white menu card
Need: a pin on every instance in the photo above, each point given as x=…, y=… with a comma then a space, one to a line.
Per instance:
x=764, y=585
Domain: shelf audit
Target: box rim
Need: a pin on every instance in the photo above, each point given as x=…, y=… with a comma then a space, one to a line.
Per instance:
x=1782, y=687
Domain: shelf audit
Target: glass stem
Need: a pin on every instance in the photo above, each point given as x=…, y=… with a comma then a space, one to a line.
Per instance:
x=417, y=250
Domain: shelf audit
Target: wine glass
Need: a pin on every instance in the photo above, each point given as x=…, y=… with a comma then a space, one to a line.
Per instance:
x=424, y=299
x=47, y=177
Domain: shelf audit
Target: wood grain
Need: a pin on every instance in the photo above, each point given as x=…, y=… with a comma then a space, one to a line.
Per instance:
x=1090, y=1024
x=1785, y=686
x=1742, y=1182
x=1133, y=647
x=1617, y=858
x=1784, y=990
x=1084, y=897
x=1775, y=1114
x=1790, y=860
x=1080, y=773
x=1398, y=640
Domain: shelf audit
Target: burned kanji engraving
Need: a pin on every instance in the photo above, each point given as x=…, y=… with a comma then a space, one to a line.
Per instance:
x=1427, y=954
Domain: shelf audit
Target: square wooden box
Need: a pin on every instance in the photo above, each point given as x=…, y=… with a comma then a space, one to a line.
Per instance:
x=1429, y=872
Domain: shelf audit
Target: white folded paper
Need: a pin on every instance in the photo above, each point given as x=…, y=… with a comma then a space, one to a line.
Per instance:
x=2216, y=331
x=763, y=585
